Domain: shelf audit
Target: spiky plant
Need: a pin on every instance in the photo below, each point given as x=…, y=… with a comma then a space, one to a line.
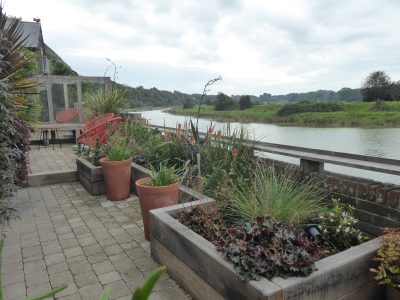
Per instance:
x=281, y=195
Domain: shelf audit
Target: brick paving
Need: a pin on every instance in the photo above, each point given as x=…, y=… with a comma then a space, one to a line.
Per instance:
x=64, y=235
x=46, y=159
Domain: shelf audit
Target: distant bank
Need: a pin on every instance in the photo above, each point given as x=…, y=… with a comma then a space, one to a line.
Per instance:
x=354, y=114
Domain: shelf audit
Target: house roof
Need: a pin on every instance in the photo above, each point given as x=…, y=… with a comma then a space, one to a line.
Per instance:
x=33, y=32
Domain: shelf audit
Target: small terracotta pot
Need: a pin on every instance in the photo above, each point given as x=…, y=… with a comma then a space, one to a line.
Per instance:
x=152, y=197
x=117, y=176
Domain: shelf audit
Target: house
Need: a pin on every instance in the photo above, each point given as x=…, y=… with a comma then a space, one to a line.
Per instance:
x=32, y=31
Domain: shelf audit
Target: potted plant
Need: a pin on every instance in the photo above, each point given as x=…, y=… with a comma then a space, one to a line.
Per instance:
x=117, y=168
x=388, y=258
x=159, y=190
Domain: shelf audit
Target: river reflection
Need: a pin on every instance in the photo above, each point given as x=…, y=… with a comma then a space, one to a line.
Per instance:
x=382, y=142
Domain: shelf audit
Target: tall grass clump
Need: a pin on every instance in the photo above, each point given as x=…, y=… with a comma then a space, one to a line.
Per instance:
x=281, y=195
x=103, y=102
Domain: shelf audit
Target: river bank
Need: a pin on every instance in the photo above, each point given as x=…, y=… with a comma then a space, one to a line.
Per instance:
x=354, y=114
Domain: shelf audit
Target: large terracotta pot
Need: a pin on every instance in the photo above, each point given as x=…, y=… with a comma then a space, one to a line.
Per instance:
x=117, y=176
x=152, y=197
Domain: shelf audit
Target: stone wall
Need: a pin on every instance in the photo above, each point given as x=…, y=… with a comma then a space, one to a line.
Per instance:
x=377, y=204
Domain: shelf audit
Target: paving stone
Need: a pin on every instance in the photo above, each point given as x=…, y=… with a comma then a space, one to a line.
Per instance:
x=107, y=242
x=33, y=258
x=68, y=243
x=34, y=266
x=76, y=259
x=60, y=267
x=96, y=258
x=119, y=289
x=145, y=263
x=112, y=250
x=128, y=245
x=169, y=290
x=131, y=274
x=72, y=252
x=92, y=249
x=70, y=290
x=60, y=278
x=54, y=259
x=106, y=204
x=85, y=279
x=80, y=267
x=52, y=249
x=36, y=278
x=37, y=289
x=31, y=251
x=65, y=236
x=74, y=296
x=103, y=267
x=87, y=240
x=109, y=277
x=14, y=290
x=91, y=292
x=13, y=276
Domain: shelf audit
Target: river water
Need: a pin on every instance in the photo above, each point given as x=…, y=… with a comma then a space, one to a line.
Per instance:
x=382, y=142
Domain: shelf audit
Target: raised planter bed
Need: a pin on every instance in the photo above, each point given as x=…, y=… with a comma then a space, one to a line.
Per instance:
x=199, y=268
x=91, y=177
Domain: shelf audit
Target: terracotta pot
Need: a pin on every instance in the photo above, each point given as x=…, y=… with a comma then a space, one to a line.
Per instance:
x=392, y=293
x=117, y=176
x=152, y=197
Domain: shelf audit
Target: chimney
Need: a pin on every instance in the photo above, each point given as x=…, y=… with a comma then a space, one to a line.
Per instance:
x=37, y=20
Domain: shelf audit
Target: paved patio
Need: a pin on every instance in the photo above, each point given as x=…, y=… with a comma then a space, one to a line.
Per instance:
x=47, y=159
x=64, y=235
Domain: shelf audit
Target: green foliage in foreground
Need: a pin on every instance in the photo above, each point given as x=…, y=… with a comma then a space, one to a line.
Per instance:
x=163, y=175
x=353, y=114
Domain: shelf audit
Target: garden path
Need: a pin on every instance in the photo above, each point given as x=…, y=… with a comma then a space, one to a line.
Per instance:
x=64, y=235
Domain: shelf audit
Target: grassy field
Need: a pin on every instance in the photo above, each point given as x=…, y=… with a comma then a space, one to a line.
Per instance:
x=354, y=114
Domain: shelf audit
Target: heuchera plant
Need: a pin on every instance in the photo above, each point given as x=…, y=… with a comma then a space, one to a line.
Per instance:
x=338, y=227
x=388, y=270
x=266, y=247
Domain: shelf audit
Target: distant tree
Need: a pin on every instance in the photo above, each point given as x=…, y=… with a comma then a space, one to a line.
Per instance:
x=265, y=97
x=188, y=103
x=348, y=94
x=224, y=102
x=377, y=86
x=245, y=102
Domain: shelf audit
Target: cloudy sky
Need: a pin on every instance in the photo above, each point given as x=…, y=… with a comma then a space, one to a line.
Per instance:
x=256, y=46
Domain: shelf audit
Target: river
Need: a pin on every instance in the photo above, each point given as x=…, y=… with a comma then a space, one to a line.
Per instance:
x=381, y=142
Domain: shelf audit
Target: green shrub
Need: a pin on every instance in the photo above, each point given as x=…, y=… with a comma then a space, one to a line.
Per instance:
x=388, y=269
x=281, y=195
x=338, y=227
x=306, y=106
x=117, y=148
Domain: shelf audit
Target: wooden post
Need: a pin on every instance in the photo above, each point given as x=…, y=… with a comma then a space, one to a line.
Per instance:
x=80, y=105
x=50, y=102
x=308, y=166
x=66, y=100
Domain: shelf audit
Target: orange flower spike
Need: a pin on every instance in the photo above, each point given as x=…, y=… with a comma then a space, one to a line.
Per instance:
x=219, y=136
x=234, y=152
x=192, y=140
x=179, y=131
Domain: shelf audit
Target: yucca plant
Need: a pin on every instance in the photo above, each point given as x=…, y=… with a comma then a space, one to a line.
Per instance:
x=280, y=195
x=103, y=101
x=164, y=175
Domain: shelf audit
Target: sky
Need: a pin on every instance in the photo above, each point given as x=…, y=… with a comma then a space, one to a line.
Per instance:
x=256, y=46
